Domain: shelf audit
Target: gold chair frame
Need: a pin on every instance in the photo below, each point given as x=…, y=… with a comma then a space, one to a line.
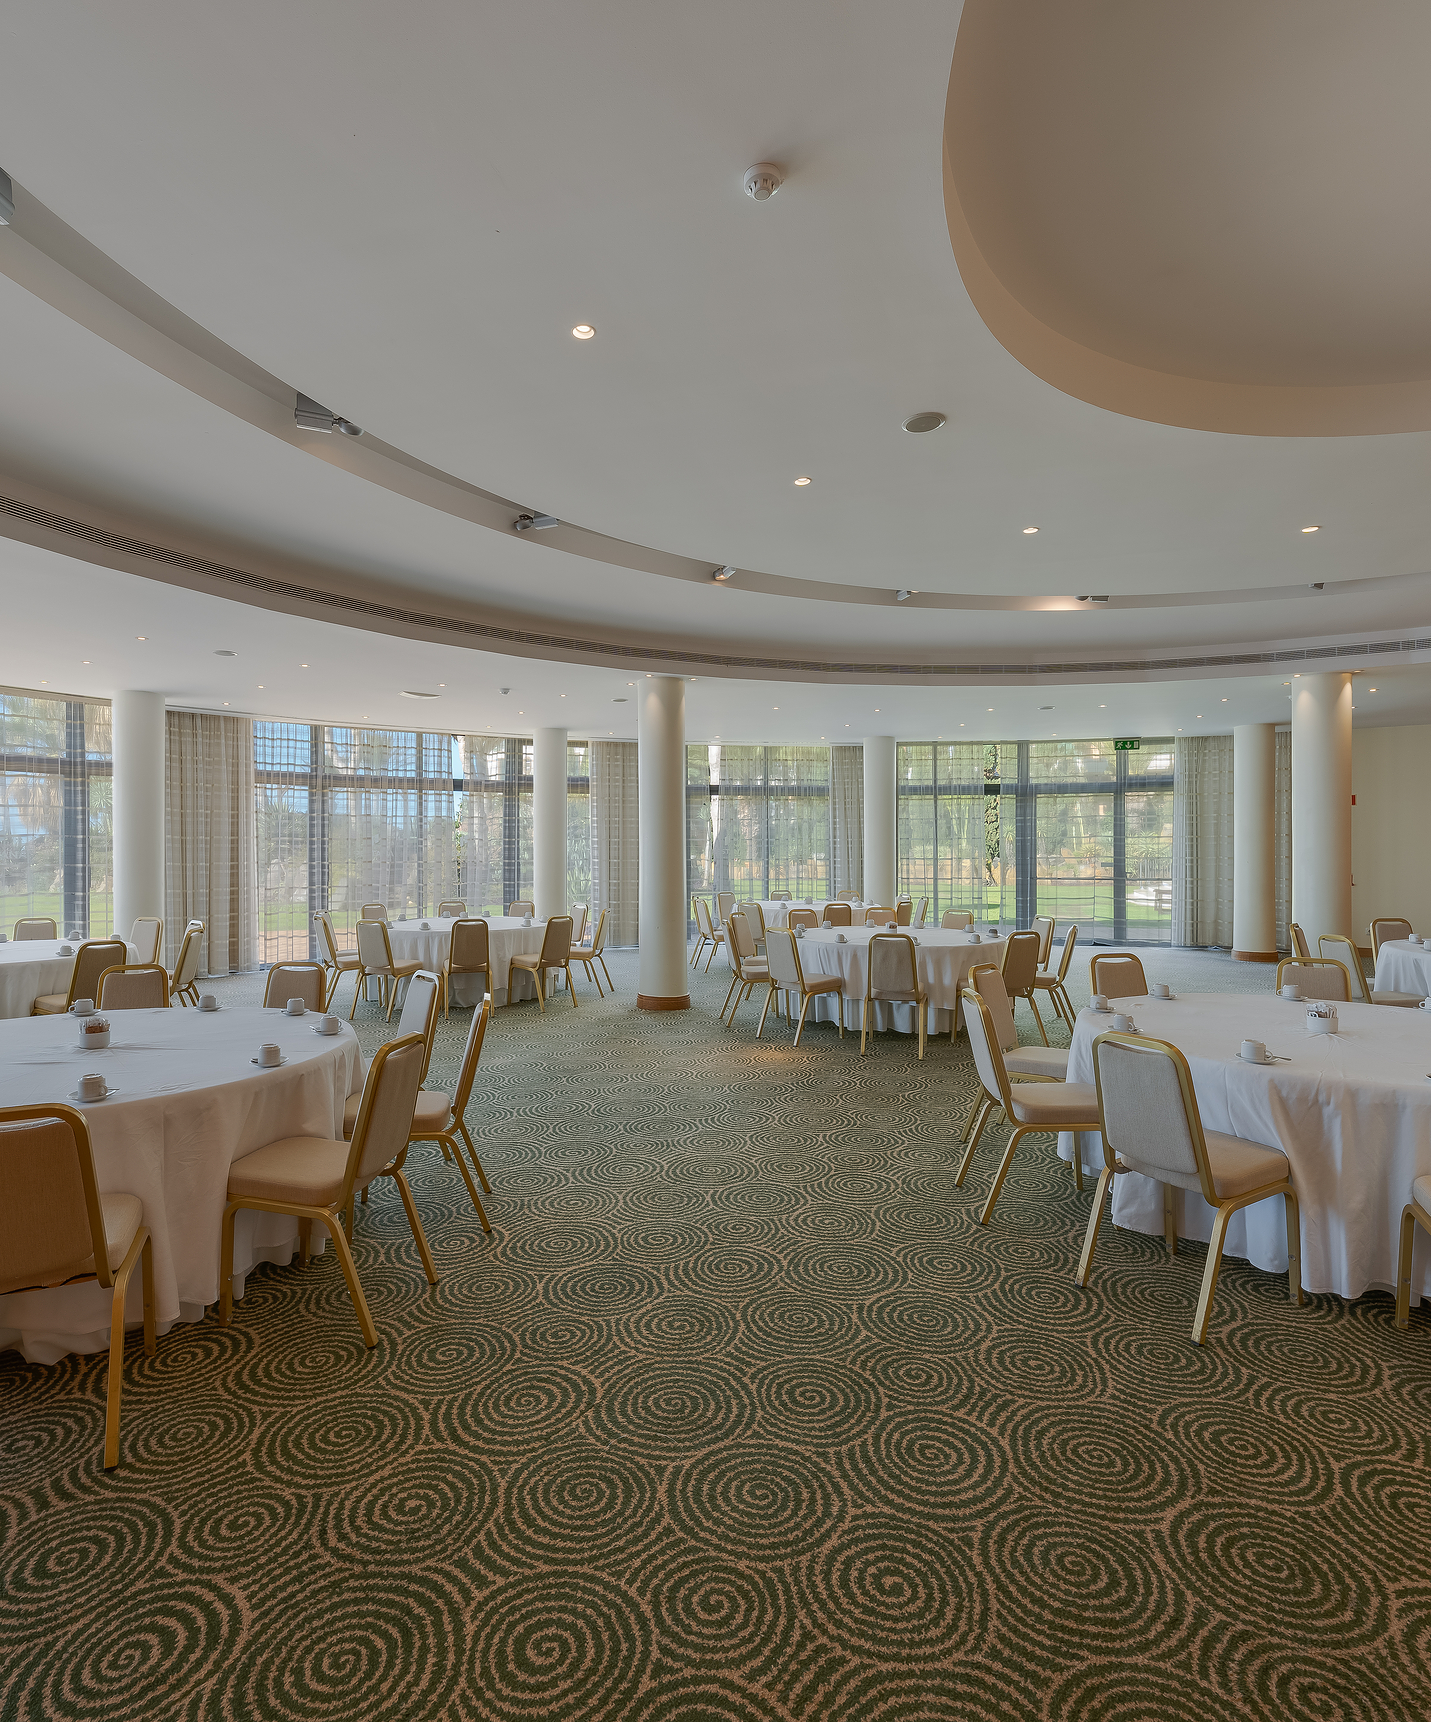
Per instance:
x=1115, y=956
x=590, y=955
x=1300, y=947
x=126, y=969
x=956, y=920
x=537, y=964
x=1055, y=985
x=388, y=975
x=23, y=935
x=301, y=972
x=522, y=906
x=117, y=947
x=155, y=940
x=1378, y=937
x=875, y=916
x=184, y=981
x=452, y=908
x=740, y=962
x=1014, y=946
x=373, y=912
x=1412, y=1216
x=1318, y=963
x=340, y=963
x=449, y=968
x=837, y=914
x=981, y=1107
x=1369, y=994
x=446, y=1135
x=807, y=990
x=920, y=999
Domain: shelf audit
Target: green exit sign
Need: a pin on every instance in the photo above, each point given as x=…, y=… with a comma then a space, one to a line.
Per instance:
x=1127, y=743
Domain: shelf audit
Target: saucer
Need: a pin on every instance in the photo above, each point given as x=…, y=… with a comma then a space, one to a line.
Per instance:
x=1108, y=1012
x=282, y=1061
x=208, y=1010
x=85, y=1100
x=1267, y=1060
x=1154, y=999
x=323, y=1031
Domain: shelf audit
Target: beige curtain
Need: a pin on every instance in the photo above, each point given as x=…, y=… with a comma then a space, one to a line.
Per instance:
x=210, y=866
x=1282, y=836
x=1202, y=840
x=615, y=840
x=847, y=819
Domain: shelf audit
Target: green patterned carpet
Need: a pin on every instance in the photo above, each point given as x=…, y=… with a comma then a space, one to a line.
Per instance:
x=738, y=1414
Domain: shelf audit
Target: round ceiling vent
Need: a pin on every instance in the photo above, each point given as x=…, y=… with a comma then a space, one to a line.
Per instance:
x=924, y=422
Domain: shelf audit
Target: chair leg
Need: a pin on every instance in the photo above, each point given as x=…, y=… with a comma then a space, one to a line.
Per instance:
x=710, y=957
x=735, y=982
x=541, y=991
x=1170, y=1223
x=1095, y=1220
x=444, y=995
x=1015, y=1138
x=226, y=1266
x=864, y=1023
x=1210, y=1272
x=979, y=1103
x=146, y=1275
x=922, y=1015
x=476, y=1158
x=115, y=1384
x=607, y=972
x=450, y=1148
x=1077, y=1164
x=1294, y=1248
x=985, y=1109
x=1033, y=1006
x=305, y=1240
x=804, y=1006
x=1403, y=1266
x=359, y=978
x=570, y=987
x=769, y=994
x=350, y=1274
x=419, y=1236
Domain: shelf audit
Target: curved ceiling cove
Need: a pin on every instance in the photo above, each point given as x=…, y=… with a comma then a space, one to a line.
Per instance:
x=1204, y=216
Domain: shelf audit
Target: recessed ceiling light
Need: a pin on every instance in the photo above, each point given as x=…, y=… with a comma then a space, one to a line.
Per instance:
x=583, y=331
x=86, y=660
x=226, y=702
x=990, y=708
x=1103, y=708
x=141, y=636
x=1224, y=699
x=260, y=687
x=303, y=666
x=444, y=684
x=1029, y=531
x=1199, y=715
x=221, y=653
x=1369, y=690
x=924, y=422
x=1311, y=529
x=804, y=481
x=44, y=684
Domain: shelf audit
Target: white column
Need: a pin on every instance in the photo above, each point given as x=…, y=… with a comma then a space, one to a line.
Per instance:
x=879, y=819
x=661, y=793
x=1254, y=859
x=138, y=808
x=1321, y=804
x=549, y=822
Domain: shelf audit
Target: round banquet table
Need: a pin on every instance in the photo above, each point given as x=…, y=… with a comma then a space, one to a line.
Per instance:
x=30, y=968
x=1402, y=967
x=1351, y=1111
x=507, y=937
x=189, y=1103
x=944, y=959
x=776, y=909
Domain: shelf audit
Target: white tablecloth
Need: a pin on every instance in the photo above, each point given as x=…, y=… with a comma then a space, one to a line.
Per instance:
x=189, y=1104
x=776, y=909
x=944, y=960
x=1352, y=1113
x=507, y=937
x=1403, y=968
x=29, y=968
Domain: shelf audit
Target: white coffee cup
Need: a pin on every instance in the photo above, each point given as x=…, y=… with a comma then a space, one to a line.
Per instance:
x=1099, y=1002
x=974, y=939
x=295, y=1007
x=1291, y=990
x=67, y=950
x=208, y=1001
x=840, y=939
x=1161, y=990
x=83, y=1007
x=269, y=1054
x=1415, y=939
x=427, y=926
x=93, y=1088
x=526, y=920
x=331, y=1025
x=1254, y=1051
x=1124, y=1024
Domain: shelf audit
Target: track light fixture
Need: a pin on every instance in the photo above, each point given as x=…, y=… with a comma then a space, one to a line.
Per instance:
x=723, y=573
x=1102, y=600
x=309, y=415
x=534, y=522
x=903, y=594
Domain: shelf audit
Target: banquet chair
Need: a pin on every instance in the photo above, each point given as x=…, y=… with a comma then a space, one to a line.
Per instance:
x=958, y=920
x=1019, y=967
x=904, y=910
x=373, y=912
x=921, y=912
x=782, y=950
x=417, y=1016
x=725, y=905
x=554, y=954
x=91, y=960
x=705, y=932
x=1023, y=1063
x=837, y=915
x=892, y=977
x=147, y=937
x=1117, y=976
x=438, y=1117
x=1043, y=925
x=781, y=897
x=468, y=953
x=56, y=1228
x=1318, y=977
x=801, y=918
x=589, y=955
x=1384, y=927
x=1028, y=1106
x=750, y=969
x=875, y=916
x=1055, y=985
x=133, y=986
x=579, y=912
x=375, y=957
x=1299, y=942
x=1151, y=1124
x=1352, y=959
x=335, y=962
x=451, y=909
x=36, y=927
x=755, y=920
x=1417, y=1212
x=316, y=1179
x=184, y=981
x=847, y=896
x=306, y=981
x=522, y=906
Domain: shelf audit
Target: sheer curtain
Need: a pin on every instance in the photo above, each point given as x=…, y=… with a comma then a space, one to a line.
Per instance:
x=615, y=840
x=210, y=857
x=847, y=819
x=391, y=836
x=1202, y=840
x=797, y=820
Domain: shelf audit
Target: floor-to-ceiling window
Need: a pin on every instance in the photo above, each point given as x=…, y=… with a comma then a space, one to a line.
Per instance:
x=758, y=820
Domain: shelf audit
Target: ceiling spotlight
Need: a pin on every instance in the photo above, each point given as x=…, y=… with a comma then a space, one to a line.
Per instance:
x=723, y=573
x=86, y=660
x=804, y=481
x=1029, y=531
x=1311, y=529
x=141, y=636
x=534, y=522
x=7, y=200
x=303, y=666
x=922, y=422
x=583, y=331
x=1084, y=599
x=308, y=414
x=763, y=181
x=903, y=593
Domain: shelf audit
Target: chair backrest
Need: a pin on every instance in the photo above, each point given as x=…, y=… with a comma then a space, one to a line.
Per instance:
x=725, y=902
x=51, y=1222
x=1020, y=963
x=1299, y=941
x=1118, y=976
x=780, y=897
x=556, y=942
x=191, y=952
x=1382, y=928
x=375, y=912
x=876, y=916
x=784, y=963
x=1070, y=939
x=375, y=949
x=419, y=1012
x=147, y=935
x=467, y=1071
x=838, y=915
x=802, y=918
x=1345, y=951
x=703, y=917
x=847, y=896
x=36, y=927
x=470, y=947
x=91, y=960
x=578, y=922
x=304, y=981
x=892, y=970
x=756, y=916
x=740, y=940
x=1043, y=926
x=325, y=926
x=989, y=984
x=1149, y=1111
x=598, y=938
x=384, y=1120
x=451, y=908
x=904, y=910
x=134, y=986
x=984, y=1044
x=522, y=906
x=1318, y=977
x=958, y=919
x=921, y=911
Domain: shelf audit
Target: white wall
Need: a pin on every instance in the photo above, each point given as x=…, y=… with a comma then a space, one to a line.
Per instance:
x=1391, y=826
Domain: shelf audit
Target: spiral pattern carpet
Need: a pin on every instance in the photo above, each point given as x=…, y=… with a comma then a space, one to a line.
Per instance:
x=738, y=1415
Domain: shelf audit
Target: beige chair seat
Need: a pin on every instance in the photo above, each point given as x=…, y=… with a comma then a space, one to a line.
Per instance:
x=820, y=984
x=1421, y=1191
x=1038, y=1061
x=1407, y=1001
x=304, y=1169
x=1071, y=1104
x=123, y=1215
x=432, y=1111
x=753, y=966
x=1237, y=1166
x=50, y=1004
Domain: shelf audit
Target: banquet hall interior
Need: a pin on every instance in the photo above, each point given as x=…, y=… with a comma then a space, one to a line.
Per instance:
x=715, y=925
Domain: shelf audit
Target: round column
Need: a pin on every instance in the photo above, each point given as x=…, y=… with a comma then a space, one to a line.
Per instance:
x=664, y=982
x=879, y=884
x=1254, y=859
x=1321, y=804
x=138, y=807
x=549, y=822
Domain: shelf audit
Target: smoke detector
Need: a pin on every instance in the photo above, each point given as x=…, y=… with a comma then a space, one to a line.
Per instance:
x=763, y=181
